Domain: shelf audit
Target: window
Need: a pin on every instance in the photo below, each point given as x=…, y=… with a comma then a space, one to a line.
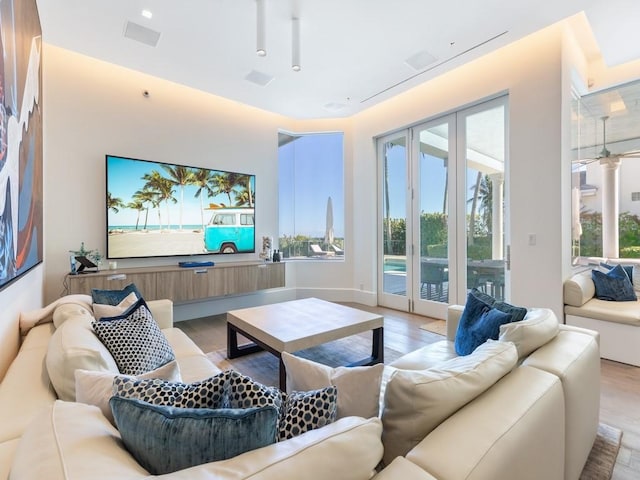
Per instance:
x=606, y=174
x=311, y=196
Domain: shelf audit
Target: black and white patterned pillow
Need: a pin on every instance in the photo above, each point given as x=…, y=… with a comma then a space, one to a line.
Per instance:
x=209, y=393
x=304, y=411
x=134, y=340
x=244, y=392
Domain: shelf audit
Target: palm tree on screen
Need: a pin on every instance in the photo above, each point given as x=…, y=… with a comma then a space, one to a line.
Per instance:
x=225, y=183
x=138, y=206
x=146, y=197
x=203, y=178
x=163, y=189
x=114, y=203
x=244, y=194
x=179, y=176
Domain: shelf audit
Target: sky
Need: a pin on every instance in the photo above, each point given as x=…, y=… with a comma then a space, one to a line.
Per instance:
x=311, y=170
x=125, y=178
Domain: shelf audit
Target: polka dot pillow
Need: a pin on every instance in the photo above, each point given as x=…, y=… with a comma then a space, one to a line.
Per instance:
x=298, y=412
x=209, y=393
x=305, y=411
x=134, y=340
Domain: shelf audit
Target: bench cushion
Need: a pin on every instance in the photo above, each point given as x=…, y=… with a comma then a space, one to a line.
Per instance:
x=620, y=312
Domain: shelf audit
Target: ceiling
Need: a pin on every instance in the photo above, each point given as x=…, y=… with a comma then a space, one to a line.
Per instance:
x=354, y=53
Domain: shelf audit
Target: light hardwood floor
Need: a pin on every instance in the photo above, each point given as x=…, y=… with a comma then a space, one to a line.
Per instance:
x=620, y=393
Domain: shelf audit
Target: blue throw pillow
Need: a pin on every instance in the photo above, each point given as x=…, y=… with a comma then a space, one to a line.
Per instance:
x=626, y=268
x=517, y=313
x=614, y=285
x=166, y=439
x=474, y=330
x=113, y=297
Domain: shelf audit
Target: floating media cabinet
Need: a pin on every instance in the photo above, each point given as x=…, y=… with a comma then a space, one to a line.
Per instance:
x=185, y=284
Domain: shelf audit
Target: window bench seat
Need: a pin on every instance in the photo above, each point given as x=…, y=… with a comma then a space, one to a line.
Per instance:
x=617, y=322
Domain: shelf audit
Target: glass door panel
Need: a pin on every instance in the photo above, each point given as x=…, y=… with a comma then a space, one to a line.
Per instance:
x=430, y=214
x=484, y=137
x=394, y=272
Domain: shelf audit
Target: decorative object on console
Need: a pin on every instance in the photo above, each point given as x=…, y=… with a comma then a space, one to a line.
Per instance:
x=267, y=245
x=87, y=259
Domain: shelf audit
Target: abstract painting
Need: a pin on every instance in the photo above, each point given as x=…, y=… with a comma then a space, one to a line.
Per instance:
x=21, y=236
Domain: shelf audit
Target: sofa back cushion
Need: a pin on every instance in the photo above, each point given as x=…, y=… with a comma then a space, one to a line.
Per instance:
x=73, y=440
x=417, y=401
x=538, y=327
x=74, y=346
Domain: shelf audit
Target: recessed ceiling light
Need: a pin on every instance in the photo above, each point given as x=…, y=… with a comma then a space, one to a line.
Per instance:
x=147, y=13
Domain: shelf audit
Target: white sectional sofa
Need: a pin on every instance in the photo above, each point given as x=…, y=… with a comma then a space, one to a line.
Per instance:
x=538, y=421
x=44, y=437
x=618, y=323
x=531, y=412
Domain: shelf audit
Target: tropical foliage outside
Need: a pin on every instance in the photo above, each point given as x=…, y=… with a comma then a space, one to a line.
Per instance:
x=591, y=239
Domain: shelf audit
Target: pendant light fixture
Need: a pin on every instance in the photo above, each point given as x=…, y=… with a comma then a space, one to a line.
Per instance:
x=295, y=44
x=261, y=46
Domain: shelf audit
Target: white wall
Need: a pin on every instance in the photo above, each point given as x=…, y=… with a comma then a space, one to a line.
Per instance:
x=530, y=71
x=93, y=108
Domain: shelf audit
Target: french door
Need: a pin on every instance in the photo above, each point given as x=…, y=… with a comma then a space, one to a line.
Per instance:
x=442, y=210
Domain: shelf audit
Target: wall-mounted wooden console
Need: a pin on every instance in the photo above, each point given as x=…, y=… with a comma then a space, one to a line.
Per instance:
x=185, y=284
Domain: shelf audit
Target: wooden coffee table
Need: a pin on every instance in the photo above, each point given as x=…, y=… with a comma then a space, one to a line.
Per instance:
x=300, y=324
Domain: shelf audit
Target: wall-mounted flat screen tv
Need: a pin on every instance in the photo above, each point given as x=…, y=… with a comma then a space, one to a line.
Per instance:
x=157, y=209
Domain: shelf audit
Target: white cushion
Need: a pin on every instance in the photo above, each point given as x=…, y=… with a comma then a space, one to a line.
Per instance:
x=102, y=310
x=72, y=440
x=539, y=326
x=358, y=387
x=417, y=401
x=74, y=346
x=96, y=388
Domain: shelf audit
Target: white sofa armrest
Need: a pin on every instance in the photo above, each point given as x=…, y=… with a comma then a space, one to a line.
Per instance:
x=162, y=311
x=578, y=289
x=454, y=312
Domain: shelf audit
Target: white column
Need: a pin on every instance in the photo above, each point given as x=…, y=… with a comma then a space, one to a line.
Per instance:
x=497, y=220
x=610, y=206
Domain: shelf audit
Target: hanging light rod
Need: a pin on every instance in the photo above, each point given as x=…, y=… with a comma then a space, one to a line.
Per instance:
x=261, y=46
x=295, y=44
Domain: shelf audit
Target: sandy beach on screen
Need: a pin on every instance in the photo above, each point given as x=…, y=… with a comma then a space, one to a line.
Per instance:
x=145, y=243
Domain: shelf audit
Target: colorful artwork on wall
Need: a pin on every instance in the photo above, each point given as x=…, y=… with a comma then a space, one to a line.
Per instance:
x=21, y=236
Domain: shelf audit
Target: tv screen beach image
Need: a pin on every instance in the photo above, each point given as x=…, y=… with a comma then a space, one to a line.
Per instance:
x=161, y=209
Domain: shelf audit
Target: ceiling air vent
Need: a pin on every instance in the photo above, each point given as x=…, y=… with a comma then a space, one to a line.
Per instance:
x=141, y=34
x=258, y=78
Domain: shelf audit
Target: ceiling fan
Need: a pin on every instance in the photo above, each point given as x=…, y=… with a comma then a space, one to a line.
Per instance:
x=605, y=153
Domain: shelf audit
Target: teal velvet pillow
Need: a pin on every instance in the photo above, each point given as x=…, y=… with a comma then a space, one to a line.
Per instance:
x=113, y=297
x=165, y=439
x=478, y=323
x=613, y=286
